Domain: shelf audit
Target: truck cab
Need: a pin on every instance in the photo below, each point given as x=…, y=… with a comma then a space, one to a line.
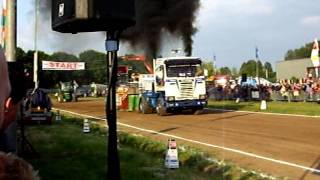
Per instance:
x=178, y=84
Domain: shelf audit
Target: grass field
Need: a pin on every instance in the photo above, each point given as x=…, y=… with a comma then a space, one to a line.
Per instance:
x=302, y=108
x=64, y=152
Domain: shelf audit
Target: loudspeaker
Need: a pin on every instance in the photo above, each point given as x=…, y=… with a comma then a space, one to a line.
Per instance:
x=72, y=16
x=244, y=78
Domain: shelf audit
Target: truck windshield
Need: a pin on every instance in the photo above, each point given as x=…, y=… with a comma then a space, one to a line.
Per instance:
x=182, y=70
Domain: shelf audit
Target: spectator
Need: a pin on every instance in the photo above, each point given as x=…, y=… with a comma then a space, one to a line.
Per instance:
x=5, y=89
x=11, y=167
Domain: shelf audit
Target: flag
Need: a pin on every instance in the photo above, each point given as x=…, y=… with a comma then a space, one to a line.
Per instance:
x=315, y=53
x=257, y=52
x=3, y=24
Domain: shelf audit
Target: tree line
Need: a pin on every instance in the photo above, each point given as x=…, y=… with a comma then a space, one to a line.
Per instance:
x=95, y=70
x=299, y=53
x=249, y=68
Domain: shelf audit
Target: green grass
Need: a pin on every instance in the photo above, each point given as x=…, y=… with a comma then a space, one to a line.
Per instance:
x=67, y=153
x=302, y=108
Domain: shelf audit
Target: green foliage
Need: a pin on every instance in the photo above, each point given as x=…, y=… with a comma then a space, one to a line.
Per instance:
x=234, y=72
x=209, y=67
x=302, y=52
x=250, y=68
x=224, y=71
x=95, y=71
x=268, y=67
x=96, y=66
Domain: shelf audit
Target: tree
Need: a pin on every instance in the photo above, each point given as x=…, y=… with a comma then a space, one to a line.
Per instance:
x=209, y=67
x=234, y=72
x=20, y=54
x=302, y=52
x=225, y=71
x=96, y=67
x=250, y=68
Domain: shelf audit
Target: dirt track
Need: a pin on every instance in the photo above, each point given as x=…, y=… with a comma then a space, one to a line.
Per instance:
x=290, y=139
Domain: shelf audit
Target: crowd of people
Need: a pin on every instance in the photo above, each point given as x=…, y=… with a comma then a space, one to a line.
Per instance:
x=307, y=89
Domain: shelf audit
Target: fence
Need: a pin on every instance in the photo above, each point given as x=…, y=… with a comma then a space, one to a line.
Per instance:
x=255, y=94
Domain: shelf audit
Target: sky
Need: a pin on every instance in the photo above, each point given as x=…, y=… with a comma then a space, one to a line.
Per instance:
x=228, y=29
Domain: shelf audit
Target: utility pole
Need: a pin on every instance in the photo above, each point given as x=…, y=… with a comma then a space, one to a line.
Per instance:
x=112, y=47
x=267, y=74
x=214, y=64
x=35, y=55
x=11, y=35
x=257, y=65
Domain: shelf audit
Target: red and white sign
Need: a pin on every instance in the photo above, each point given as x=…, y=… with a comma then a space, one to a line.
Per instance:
x=63, y=66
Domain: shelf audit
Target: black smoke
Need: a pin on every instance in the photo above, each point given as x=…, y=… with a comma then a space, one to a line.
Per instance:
x=153, y=17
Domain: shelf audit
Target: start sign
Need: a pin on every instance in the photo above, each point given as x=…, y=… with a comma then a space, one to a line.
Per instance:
x=62, y=66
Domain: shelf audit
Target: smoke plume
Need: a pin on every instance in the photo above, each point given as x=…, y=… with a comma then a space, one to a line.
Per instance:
x=156, y=16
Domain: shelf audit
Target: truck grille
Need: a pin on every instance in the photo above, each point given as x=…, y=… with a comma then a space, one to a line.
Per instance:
x=186, y=89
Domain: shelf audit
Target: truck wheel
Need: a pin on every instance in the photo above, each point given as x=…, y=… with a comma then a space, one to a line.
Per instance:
x=161, y=109
x=144, y=106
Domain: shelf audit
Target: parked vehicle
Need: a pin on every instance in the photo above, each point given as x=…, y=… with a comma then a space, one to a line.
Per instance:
x=83, y=91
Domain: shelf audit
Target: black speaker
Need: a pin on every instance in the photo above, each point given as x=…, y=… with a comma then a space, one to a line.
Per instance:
x=244, y=78
x=72, y=16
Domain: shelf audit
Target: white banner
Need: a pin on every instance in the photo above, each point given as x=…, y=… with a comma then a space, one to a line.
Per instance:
x=63, y=66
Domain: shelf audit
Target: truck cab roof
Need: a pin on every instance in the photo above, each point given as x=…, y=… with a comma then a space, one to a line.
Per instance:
x=179, y=60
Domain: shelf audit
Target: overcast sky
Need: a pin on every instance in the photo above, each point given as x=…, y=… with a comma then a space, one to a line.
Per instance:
x=230, y=29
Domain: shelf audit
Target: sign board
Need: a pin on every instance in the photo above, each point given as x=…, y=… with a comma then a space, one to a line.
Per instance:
x=63, y=66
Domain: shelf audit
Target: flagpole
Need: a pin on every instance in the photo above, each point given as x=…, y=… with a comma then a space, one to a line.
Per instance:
x=10, y=36
x=257, y=65
x=214, y=64
x=35, y=55
x=3, y=9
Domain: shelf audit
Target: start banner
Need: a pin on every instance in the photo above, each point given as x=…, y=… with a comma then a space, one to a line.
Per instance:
x=63, y=66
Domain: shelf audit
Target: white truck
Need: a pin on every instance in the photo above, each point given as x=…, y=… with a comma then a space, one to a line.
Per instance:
x=176, y=84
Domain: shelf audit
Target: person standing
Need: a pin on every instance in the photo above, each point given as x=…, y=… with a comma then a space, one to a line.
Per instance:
x=9, y=108
x=5, y=89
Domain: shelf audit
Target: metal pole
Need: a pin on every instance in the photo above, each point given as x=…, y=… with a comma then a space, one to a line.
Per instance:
x=112, y=45
x=257, y=70
x=35, y=55
x=257, y=65
x=267, y=74
x=214, y=64
x=11, y=35
x=257, y=73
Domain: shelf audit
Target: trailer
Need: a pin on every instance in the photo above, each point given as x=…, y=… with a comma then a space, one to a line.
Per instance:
x=175, y=85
